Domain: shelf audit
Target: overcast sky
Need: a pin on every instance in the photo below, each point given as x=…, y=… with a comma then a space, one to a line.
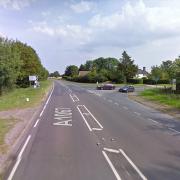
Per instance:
x=65, y=32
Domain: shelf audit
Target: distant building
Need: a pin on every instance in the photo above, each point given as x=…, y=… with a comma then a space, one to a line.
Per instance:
x=142, y=73
x=83, y=73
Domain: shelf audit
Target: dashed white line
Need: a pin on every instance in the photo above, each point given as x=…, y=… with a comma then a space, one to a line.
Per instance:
x=124, y=107
x=36, y=123
x=133, y=165
x=154, y=121
x=174, y=130
x=111, y=166
x=19, y=159
x=116, y=104
x=109, y=100
x=93, y=117
x=84, y=117
x=111, y=150
x=97, y=129
x=137, y=113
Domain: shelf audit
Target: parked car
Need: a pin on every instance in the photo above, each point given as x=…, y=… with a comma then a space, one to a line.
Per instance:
x=106, y=87
x=126, y=89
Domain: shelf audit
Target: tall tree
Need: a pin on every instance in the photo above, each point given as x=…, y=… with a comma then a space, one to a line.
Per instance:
x=71, y=70
x=127, y=66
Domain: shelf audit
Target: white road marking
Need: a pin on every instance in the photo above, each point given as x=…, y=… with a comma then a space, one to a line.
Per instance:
x=47, y=102
x=111, y=166
x=137, y=113
x=111, y=150
x=97, y=129
x=174, y=130
x=109, y=100
x=116, y=104
x=133, y=165
x=36, y=123
x=18, y=159
x=84, y=117
x=93, y=117
x=74, y=97
x=71, y=97
x=124, y=107
x=154, y=121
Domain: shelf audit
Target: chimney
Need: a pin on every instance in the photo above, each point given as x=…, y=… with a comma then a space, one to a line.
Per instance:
x=144, y=69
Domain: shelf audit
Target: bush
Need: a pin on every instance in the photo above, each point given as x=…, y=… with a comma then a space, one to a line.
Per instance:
x=135, y=81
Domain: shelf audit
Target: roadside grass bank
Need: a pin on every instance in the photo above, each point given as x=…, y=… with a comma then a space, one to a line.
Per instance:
x=17, y=97
x=157, y=95
x=5, y=126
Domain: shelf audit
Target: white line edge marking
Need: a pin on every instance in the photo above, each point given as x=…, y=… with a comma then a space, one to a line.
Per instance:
x=111, y=150
x=111, y=166
x=125, y=107
x=174, y=130
x=47, y=102
x=93, y=117
x=153, y=121
x=137, y=113
x=133, y=165
x=97, y=129
x=18, y=159
x=36, y=123
x=84, y=117
x=71, y=97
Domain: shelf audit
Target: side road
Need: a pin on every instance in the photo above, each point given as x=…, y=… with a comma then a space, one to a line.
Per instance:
x=17, y=134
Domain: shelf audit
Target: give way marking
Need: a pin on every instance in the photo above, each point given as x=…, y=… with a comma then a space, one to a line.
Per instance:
x=62, y=117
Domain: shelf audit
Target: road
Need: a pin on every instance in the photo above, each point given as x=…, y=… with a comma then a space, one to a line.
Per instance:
x=84, y=134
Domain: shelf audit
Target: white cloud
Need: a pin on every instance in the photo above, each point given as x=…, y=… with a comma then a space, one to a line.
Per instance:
x=83, y=6
x=71, y=32
x=15, y=4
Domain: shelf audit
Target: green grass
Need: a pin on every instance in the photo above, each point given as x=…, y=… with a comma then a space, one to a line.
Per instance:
x=5, y=126
x=17, y=97
x=157, y=95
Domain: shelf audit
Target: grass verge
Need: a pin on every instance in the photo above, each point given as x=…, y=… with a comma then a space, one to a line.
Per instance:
x=157, y=95
x=17, y=97
x=5, y=126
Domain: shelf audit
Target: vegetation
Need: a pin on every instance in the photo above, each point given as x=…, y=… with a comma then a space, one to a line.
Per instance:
x=5, y=126
x=54, y=74
x=162, y=96
x=17, y=62
x=103, y=69
x=17, y=97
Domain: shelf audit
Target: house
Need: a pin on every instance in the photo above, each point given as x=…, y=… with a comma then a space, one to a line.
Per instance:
x=83, y=73
x=142, y=73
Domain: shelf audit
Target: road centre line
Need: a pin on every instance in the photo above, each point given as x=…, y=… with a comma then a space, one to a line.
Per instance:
x=137, y=113
x=19, y=158
x=111, y=166
x=84, y=117
x=174, y=130
x=124, y=107
x=93, y=117
x=111, y=150
x=154, y=121
x=133, y=165
x=97, y=129
x=36, y=123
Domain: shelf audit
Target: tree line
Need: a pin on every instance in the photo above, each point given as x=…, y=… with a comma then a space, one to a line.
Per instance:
x=123, y=70
x=104, y=69
x=17, y=62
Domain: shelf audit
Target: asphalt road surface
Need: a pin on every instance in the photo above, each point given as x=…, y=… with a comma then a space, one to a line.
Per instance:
x=84, y=134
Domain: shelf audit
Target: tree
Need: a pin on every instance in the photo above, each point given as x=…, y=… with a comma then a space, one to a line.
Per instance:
x=54, y=74
x=127, y=66
x=71, y=70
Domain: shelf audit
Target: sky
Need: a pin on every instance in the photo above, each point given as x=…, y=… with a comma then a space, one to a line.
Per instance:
x=69, y=32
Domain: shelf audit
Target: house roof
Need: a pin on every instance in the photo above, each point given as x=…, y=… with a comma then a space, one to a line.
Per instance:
x=83, y=73
x=144, y=72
